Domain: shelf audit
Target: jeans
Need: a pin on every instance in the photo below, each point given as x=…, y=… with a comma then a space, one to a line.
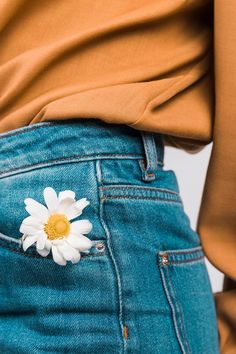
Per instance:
x=142, y=288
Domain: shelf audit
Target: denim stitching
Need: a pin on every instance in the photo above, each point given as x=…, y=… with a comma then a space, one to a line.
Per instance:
x=106, y=229
x=143, y=193
x=150, y=164
x=196, y=254
x=43, y=163
x=155, y=152
x=147, y=172
x=147, y=156
x=140, y=197
x=9, y=239
x=184, y=261
x=15, y=245
x=178, y=307
x=141, y=162
x=159, y=163
x=183, y=251
x=38, y=256
x=173, y=310
x=154, y=189
x=145, y=152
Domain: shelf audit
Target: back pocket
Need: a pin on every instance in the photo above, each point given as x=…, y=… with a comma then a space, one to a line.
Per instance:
x=188, y=290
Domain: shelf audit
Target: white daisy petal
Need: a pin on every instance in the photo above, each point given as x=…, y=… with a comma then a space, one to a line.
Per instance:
x=29, y=230
x=48, y=244
x=76, y=259
x=81, y=204
x=76, y=208
x=81, y=226
x=57, y=256
x=82, y=243
x=41, y=241
x=44, y=252
x=66, y=194
x=36, y=209
x=67, y=251
x=31, y=221
x=65, y=205
x=50, y=197
x=72, y=212
x=29, y=241
x=58, y=241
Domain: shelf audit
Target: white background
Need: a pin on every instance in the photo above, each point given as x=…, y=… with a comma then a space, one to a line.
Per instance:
x=191, y=173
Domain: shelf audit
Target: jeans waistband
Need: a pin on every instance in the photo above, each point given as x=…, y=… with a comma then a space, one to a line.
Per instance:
x=74, y=140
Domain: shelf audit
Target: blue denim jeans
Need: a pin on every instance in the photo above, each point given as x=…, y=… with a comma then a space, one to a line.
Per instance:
x=143, y=287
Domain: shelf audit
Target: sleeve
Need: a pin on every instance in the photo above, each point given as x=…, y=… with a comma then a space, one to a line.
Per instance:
x=217, y=216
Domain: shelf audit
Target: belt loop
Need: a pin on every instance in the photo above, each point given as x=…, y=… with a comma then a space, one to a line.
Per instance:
x=152, y=160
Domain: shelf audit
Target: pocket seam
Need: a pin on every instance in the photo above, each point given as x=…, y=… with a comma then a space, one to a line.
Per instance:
x=14, y=245
x=9, y=239
x=140, y=192
x=141, y=198
x=176, y=309
x=182, y=250
x=134, y=186
x=180, y=256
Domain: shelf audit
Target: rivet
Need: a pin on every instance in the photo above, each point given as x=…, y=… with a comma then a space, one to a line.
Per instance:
x=126, y=332
x=100, y=246
x=164, y=259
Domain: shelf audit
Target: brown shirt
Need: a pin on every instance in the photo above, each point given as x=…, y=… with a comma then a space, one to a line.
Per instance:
x=165, y=66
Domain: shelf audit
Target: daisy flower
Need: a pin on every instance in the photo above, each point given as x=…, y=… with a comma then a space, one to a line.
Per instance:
x=50, y=227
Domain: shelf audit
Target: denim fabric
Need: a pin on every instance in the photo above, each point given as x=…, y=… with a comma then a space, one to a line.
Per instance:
x=143, y=288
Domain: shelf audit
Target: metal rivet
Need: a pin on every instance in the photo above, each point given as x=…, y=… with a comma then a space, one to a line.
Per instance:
x=100, y=246
x=164, y=259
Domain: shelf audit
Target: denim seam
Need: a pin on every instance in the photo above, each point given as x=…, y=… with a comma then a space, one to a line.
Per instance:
x=142, y=192
x=109, y=246
x=183, y=250
x=9, y=239
x=154, y=189
x=141, y=163
x=194, y=260
x=12, y=249
x=179, y=330
x=155, y=153
x=149, y=163
x=190, y=255
x=13, y=244
x=106, y=197
x=153, y=164
x=179, y=309
x=173, y=311
x=142, y=166
x=69, y=159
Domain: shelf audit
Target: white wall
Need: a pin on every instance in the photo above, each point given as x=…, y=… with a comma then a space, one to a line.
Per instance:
x=191, y=173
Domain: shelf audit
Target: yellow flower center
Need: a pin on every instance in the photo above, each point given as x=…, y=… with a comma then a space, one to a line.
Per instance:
x=57, y=226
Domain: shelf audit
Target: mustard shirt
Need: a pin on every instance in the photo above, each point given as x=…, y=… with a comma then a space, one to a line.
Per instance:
x=165, y=66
